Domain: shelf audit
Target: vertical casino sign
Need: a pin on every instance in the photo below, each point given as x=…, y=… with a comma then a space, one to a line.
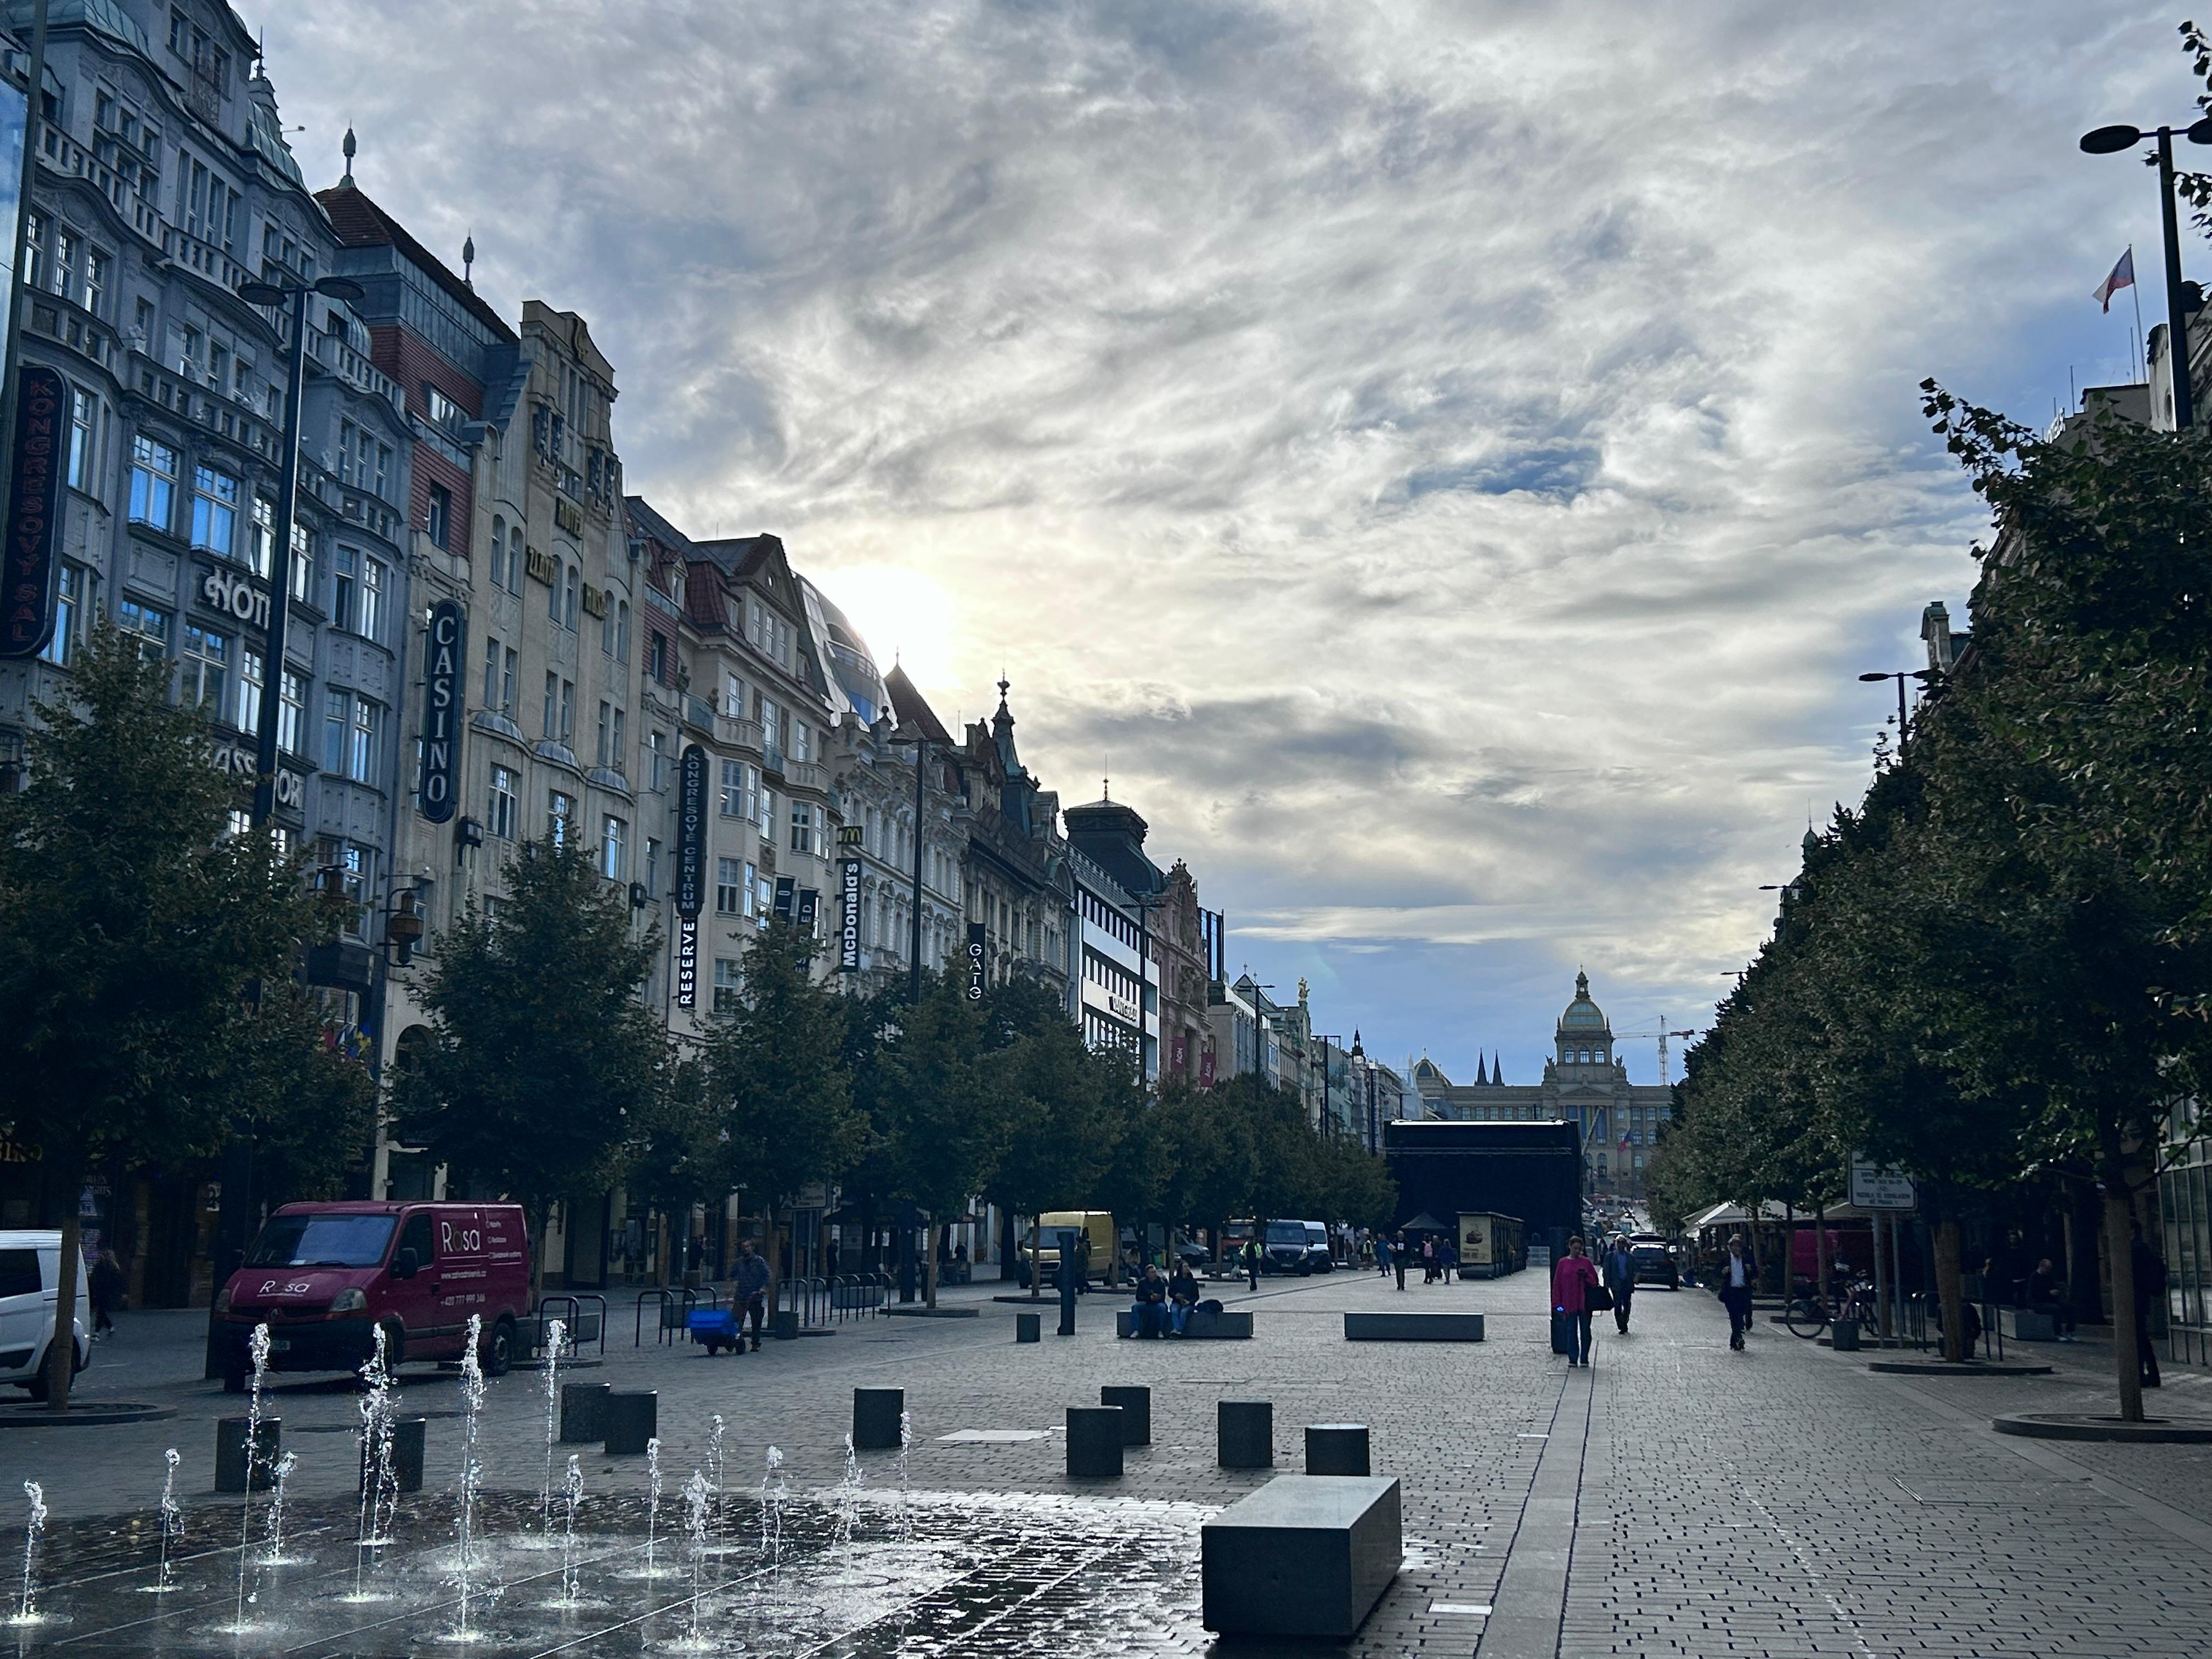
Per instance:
x=691, y=870
x=29, y=565
x=444, y=663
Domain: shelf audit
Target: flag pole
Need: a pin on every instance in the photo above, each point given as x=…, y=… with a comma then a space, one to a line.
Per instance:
x=2135, y=293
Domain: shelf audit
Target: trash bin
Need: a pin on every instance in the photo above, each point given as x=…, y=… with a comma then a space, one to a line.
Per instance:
x=631, y=1420
x=1846, y=1335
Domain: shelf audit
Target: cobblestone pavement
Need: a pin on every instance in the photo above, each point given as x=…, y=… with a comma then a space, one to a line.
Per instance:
x=1676, y=1498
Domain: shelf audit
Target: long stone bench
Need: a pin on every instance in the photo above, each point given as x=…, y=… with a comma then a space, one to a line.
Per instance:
x=1305, y=1555
x=1413, y=1327
x=1230, y=1325
x=2024, y=1325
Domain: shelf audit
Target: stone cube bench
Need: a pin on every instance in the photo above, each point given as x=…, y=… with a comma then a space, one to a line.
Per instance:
x=1305, y=1555
x=2024, y=1325
x=1413, y=1327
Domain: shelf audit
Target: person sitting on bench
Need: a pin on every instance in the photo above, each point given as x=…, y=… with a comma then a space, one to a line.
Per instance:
x=1146, y=1316
x=1183, y=1296
x=2047, y=1296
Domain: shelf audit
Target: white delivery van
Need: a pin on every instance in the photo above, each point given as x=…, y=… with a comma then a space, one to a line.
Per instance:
x=30, y=1281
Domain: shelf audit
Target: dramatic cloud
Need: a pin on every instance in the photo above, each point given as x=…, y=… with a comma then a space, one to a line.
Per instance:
x=1448, y=461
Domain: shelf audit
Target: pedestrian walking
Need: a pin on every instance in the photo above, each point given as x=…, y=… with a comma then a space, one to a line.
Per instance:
x=1732, y=1282
x=749, y=1292
x=1381, y=1243
x=1619, y=1270
x=1252, y=1261
x=1399, y=1250
x=1448, y=1259
x=1428, y=1259
x=106, y=1290
x=2150, y=1288
x=1572, y=1281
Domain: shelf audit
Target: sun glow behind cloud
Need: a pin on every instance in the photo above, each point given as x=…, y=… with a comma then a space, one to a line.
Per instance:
x=1453, y=458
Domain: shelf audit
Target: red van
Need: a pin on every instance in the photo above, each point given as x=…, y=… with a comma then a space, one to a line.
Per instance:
x=322, y=1277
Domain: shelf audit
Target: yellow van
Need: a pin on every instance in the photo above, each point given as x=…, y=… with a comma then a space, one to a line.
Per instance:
x=1096, y=1227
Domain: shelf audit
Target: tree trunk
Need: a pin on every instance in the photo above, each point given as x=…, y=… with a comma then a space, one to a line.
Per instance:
x=1950, y=1292
x=2083, y=1273
x=61, y=1353
x=2127, y=1365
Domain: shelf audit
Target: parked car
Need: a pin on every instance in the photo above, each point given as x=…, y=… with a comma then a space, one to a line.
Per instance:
x=1296, y=1247
x=324, y=1277
x=30, y=1286
x=1651, y=1263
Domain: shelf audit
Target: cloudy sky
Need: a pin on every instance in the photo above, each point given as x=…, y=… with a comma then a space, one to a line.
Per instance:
x=1450, y=462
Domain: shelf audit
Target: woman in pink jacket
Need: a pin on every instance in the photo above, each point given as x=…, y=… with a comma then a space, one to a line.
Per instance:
x=1572, y=1281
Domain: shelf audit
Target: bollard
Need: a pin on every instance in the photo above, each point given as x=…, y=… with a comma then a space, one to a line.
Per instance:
x=407, y=1433
x=786, y=1326
x=875, y=1413
x=1028, y=1328
x=584, y=1410
x=1846, y=1336
x=631, y=1420
x=1136, y=1404
x=1094, y=1441
x=1336, y=1448
x=1245, y=1432
x=230, y=1454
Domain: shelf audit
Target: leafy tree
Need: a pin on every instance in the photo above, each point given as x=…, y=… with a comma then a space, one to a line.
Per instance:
x=778, y=1097
x=132, y=932
x=1061, y=1127
x=542, y=1063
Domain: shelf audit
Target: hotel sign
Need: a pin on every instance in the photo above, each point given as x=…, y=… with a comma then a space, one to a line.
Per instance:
x=28, y=563
x=442, y=711
x=235, y=595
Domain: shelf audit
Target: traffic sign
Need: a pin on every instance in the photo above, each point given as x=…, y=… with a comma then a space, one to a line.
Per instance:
x=1878, y=1188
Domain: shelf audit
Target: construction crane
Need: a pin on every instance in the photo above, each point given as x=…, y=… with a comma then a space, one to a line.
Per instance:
x=1663, y=1034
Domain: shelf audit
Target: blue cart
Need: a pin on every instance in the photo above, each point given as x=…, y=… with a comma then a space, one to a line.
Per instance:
x=714, y=1328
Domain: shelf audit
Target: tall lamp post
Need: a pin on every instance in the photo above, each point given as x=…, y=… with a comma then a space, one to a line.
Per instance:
x=291, y=299
x=2108, y=140
x=1923, y=675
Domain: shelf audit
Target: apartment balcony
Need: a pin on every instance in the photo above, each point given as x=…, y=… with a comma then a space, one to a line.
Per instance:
x=744, y=734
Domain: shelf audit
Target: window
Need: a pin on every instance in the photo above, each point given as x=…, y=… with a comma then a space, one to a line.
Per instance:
x=439, y=517
x=345, y=587
x=622, y=630
x=568, y=711
x=153, y=483
x=620, y=748
x=734, y=790
x=491, y=674
x=370, y=625
x=656, y=750
x=730, y=886
x=93, y=294
x=291, y=712
x=656, y=659
x=215, y=511
x=201, y=669
x=443, y=410
x=499, y=819
x=552, y=706
x=514, y=560
x=506, y=672
x=734, y=696
x=759, y=895
x=303, y=563
x=766, y=798
x=338, y=719
x=553, y=604
x=771, y=719
x=498, y=550
x=802, y=741
x=605, y=731
x=261, y=536
x=729, y=981
x=83, y=464
x=612, y=834
x=246, y=712
x=68, y=607
x=652, y=867
x=804, y=835
x=560, y=817
x=569, y=601
x=150, y=624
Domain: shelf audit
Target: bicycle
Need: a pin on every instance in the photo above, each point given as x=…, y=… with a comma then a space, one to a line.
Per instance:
x=1809, y=1315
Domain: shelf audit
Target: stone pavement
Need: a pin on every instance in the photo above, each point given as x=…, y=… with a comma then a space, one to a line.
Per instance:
x=1676, y=1498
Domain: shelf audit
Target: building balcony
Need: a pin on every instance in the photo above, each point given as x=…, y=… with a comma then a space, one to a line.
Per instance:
x=809, y=776
x=744, y=734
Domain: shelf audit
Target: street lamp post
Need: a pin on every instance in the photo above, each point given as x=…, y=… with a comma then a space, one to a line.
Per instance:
x=1923, y=675
x=1328, y=1120
x=2107, y=141
x=291, y=299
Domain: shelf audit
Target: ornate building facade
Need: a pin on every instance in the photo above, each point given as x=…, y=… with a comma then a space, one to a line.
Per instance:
x=1584, y=1083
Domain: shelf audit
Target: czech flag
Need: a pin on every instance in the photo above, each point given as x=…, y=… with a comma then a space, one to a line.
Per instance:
x=2124, y=276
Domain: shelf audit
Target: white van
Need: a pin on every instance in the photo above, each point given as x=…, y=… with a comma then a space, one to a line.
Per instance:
x=30, y=1279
